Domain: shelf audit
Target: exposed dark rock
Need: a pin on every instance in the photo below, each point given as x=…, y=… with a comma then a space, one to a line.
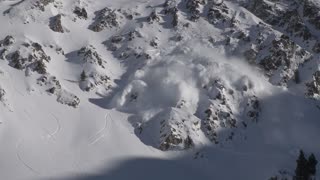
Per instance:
x=8, y=41
x=176, y=133
x=313, y=87
x=35, y=60
x=90, y=55
x=253, y=108
x=53, y=86
x=170, y=8
x=316, y=47
x=251, y=55
x=284, y=54
x=56, y=24
x=193, y=7
x=287, y=18
x=154, y=43
x=2, y=94
x=311, y=11
x=153, y=17
x=41, y=4
x=81, y=12
x=94, y=66
x=105, y=18
x=219, y=14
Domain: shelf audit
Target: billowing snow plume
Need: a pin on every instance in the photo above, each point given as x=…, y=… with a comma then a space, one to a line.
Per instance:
x=193, y=79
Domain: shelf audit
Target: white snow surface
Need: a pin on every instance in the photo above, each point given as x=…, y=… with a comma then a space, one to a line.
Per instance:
x=43, y=139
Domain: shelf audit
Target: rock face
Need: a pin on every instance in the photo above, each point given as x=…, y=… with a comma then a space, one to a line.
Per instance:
x=218, y=14
x=53, y=86
x=5, y=46
x=292, y=21
x=177, y=130
x=122, y=48
x=56, y=24
x=41, y=4
x=81, y=12
x=221, y=116
x=286, y=55
x=170, y=8
x=8, y=41
x=90, y=55
x=30, y=55
x=153, y=17
x=313, y=87
x=105, y=18
x=311, y=11
x=194, y=8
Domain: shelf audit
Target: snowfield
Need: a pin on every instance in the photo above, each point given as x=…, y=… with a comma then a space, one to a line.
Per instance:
x=155, y=89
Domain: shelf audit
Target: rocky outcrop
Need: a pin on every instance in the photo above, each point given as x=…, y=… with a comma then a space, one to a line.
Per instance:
x=94, y=72
x=220, y=116
x=41, y=4
x=170, y=8
x=105, y=18
x=178, y=130
x=56, y=24
x=285, y=55
x=53, y=86
x=29, y=56
x=119, y=45
x=288, y=17
x=81, y=12
x=253, y=108
x=219, y=14
x=8, y=41
x=89, y=54
x=311, y=12
x=153, y=17
x=313, y=87
x=219, y=113
x=193, y=7
x=294, y=24
x=5, y=45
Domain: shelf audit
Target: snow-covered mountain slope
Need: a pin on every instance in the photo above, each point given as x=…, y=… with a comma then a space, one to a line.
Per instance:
x=158, y=89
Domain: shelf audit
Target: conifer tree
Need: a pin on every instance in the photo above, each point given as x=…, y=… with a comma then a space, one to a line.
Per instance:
x=302, y=170
x=312, y=163
x=83, y=76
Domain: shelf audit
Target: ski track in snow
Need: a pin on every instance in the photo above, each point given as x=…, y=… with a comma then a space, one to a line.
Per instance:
x=100, y=134
x=49, y=135
x=58, y=128
x=18, y=146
